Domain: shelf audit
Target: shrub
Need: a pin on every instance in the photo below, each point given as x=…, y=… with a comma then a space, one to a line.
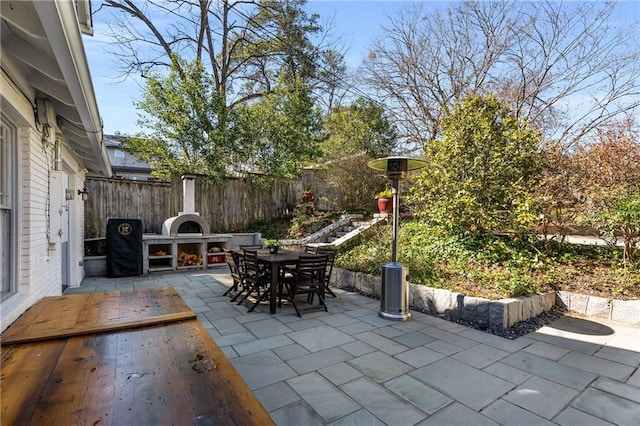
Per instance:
x=481, y=173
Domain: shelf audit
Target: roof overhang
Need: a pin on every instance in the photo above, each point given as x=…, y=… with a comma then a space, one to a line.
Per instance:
x=42, y=41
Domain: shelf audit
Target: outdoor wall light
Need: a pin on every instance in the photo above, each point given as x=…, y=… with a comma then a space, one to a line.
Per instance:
x=84, y=194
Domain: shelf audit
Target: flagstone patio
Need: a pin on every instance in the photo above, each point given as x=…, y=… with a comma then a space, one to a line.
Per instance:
x=350, y=367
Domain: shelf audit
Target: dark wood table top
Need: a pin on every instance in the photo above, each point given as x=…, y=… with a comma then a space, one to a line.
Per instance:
x=170, y=373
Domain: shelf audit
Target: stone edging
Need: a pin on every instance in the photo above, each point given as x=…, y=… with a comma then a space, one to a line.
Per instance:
x=499, y=314
x=627, y=311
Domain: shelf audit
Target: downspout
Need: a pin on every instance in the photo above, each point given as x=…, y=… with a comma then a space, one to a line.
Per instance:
x=57, y=160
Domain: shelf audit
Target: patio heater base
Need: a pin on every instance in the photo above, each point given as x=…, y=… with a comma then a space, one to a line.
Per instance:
x=394, y=303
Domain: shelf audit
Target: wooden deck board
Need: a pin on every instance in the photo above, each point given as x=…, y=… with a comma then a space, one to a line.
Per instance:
x=74, y=315
x=170, y=373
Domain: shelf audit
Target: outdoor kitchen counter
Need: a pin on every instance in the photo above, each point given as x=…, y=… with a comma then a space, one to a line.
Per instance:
x=168, y=373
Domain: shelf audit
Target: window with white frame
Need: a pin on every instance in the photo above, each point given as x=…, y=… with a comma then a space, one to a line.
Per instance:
x=8, y=171
x=118, y=153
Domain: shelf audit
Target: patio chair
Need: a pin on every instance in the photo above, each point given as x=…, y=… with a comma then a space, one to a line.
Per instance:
x=236, y=274
x=307, y=279
x=331, y=254
x=257, y=280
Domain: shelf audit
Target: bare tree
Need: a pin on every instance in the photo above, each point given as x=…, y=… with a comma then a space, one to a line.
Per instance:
x=245, y=45
x=562, y=66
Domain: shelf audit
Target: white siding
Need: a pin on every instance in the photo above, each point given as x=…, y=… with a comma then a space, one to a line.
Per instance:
x=39, y=270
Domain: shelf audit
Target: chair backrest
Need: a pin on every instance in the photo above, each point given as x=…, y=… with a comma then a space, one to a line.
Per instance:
x=331, y=257
x=311, y=267
x=251, y=262
x=310, y=249
x=250, y=247
x=232, y=262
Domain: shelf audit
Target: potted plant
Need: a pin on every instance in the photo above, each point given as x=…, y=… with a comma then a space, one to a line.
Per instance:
x=274, y=246
x=307, y=195
x=385, y=201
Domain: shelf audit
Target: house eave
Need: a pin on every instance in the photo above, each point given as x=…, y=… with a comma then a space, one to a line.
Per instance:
x=53, y=59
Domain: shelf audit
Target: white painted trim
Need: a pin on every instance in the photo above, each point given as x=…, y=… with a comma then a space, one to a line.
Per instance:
x=60, y=23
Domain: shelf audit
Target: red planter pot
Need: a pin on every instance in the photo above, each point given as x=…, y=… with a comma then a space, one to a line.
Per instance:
x=385, y=205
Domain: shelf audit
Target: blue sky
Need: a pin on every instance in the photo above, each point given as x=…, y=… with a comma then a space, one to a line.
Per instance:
x=356, y=24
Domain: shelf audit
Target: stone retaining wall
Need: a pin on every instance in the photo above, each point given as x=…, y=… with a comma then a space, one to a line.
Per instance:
x=488, y=313
x=501, y=313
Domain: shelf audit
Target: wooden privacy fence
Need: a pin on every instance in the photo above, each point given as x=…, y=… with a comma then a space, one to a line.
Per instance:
x=228, y=207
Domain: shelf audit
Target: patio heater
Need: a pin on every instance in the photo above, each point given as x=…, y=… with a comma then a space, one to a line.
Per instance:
x=394, y=300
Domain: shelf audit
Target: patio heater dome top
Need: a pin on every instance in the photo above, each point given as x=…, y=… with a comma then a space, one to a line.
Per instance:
x=396, y=167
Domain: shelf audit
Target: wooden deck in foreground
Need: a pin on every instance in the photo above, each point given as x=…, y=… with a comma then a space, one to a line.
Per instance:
x=119, y=358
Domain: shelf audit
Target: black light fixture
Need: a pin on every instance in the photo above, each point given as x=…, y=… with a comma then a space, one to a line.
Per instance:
x=394, y=300
x=84, y=194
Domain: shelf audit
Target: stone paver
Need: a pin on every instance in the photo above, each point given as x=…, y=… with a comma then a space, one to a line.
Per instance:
x=621, y=389
x=419, y=394
x=597, y=365
x=572, y=417
x=323, y=396
x=359, y=418
x=262, y=369
x=474, y=388
x=296, y=414
x=340, y=373
x=507, y=414
x=541, y=396
x=508, y=373
x=379, y=366
x=277, y=396
x=382, y=403
x=419, y=357
x=568, y=375
x=317, y=360
x=457, y=415
x=380, y=342
x=267, y=328
x=546, y=350
x=612, y=408
x=319, y=338
x=480, y=356
x=413, y=339
x=349, y=367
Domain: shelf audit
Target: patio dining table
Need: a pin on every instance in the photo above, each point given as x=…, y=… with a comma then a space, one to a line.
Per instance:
x=274, y=262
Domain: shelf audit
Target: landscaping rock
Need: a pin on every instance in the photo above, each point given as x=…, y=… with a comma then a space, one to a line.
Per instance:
x=598, y=307
x=626, y=311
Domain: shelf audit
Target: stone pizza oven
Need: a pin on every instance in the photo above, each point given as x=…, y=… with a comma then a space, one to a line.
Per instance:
x=188, y=221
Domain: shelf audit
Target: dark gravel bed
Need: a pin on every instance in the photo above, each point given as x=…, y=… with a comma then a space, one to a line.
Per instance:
x=519, y=329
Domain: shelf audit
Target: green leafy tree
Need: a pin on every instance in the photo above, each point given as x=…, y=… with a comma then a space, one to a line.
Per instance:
x=355, y=134
x=190, y=124
x=278, y=133
x=481, y=174
x=217, y=67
